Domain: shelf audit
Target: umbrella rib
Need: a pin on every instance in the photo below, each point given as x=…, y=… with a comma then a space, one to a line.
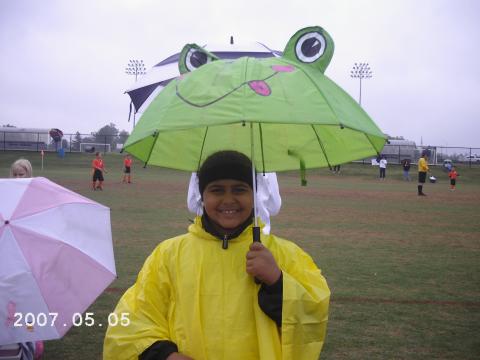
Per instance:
x=321, y=145
x=151, y=149
x=201, y=150
x=261, y=146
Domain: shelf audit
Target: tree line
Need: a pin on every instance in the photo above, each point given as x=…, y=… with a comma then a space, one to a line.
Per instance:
x=108, y=134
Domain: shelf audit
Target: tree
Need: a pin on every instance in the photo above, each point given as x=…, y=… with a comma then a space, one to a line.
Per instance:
x=107, y=135
x=122, y=137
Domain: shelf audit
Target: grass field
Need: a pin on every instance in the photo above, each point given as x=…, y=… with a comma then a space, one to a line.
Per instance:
x=404, y=270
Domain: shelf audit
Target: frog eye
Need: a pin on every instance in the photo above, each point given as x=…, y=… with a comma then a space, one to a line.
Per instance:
x=192, y=57
x=195, y=58
x=310, y=47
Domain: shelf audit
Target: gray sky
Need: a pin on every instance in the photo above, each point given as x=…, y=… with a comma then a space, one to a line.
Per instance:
x=62, y=62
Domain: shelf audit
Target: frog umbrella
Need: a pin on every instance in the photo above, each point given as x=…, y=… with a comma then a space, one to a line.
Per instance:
x=283, y=112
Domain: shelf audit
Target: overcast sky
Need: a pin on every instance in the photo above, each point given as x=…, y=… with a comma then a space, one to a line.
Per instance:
x=62, y=62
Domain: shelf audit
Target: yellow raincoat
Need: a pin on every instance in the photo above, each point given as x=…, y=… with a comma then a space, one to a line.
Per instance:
x=422, y=165
x=196, y=294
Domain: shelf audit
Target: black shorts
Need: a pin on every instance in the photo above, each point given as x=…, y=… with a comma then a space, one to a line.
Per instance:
x=126, y=170
x=97, y=175
x=452, y=181
x=422, y=176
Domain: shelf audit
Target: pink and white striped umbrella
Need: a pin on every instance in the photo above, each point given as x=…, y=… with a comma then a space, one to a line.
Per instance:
x=56, y=258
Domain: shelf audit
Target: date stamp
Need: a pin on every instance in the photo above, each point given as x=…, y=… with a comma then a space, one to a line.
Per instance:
x=31, y=320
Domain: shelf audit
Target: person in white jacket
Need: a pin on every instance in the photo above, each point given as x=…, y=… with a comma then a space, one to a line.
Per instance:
x=383, y=167
x=268, y=198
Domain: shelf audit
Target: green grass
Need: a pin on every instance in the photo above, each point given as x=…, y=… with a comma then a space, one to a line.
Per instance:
x=404, y=271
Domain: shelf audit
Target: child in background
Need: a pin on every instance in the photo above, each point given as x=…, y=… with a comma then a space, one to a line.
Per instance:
x=406, y=169
x=383, y=167
x=196, y=296
x=453, y=178
x=22, y=168
x=98, y=168
x=127, y=169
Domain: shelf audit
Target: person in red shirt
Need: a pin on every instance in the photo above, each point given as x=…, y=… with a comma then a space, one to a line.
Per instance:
x=127, y=170
x=98, y=168
x=453, y=178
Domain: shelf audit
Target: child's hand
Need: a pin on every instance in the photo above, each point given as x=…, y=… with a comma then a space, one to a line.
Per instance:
x=261, y=264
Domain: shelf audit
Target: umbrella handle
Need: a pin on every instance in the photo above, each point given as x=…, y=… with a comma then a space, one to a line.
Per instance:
x=256, y=238
x=256, y=234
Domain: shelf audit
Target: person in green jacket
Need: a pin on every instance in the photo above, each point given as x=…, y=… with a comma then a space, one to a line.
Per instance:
x=212, y=293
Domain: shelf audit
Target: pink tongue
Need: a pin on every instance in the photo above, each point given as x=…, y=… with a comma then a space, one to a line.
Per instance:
x=260, y=87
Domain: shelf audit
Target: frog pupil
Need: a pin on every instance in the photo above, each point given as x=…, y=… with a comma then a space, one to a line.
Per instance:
x=198, y=59
x=311, y=47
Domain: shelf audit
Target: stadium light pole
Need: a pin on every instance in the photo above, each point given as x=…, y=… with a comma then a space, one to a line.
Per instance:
x=361, y=71
x=135, y=67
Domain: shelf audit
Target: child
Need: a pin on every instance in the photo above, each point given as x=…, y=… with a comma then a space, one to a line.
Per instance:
x=453, y=178
x=127, y=170
x=383, y=167
x=406, y=169
x=98, y=168
x=22, y=168
x=196, y=298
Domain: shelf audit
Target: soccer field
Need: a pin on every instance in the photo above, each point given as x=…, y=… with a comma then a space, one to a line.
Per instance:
x=404, y=270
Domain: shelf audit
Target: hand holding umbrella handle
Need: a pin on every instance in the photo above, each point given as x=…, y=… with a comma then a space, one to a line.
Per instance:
x=256, y=238
x=262, y=265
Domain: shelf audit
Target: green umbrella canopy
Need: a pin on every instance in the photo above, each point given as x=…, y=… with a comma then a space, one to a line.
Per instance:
x=294, y=115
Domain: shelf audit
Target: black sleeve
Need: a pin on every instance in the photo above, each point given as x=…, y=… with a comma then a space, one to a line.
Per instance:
x=270, y=300
x=159, y=350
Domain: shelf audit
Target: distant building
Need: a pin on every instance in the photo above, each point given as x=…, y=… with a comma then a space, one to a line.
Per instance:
x=397, y=150
x=14, y=138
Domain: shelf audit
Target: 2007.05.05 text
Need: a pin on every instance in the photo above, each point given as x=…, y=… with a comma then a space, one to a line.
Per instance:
x=48, y=319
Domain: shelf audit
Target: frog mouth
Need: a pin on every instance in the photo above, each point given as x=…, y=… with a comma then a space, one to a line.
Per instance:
x=260, y=87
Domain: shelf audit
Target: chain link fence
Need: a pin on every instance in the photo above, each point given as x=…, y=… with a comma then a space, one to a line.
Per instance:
x=38, y=141
x=394, y=152
x=438, y=155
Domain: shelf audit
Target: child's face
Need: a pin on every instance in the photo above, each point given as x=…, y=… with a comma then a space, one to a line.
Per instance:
x=19, y=172
x=228, y=203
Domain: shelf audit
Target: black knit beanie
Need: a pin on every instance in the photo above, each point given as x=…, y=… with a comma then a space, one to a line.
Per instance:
x=226, y=164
